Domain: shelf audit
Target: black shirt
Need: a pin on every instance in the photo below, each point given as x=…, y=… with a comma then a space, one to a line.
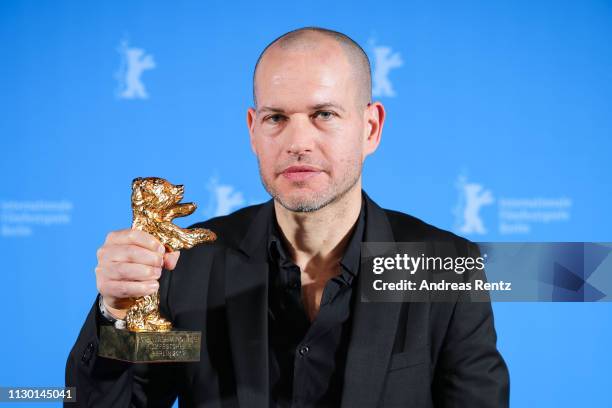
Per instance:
x=307, y=359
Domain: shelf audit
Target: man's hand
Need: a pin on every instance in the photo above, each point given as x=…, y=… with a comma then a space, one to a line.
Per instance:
x=129, y=264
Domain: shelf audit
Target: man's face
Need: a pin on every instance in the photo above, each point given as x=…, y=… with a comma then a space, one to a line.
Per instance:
x=310, y=127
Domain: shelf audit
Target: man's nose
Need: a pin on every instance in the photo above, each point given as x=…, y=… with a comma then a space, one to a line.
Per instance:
x=300, y=135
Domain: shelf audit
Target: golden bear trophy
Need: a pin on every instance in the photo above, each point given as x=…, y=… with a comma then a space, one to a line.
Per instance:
x=148, y=337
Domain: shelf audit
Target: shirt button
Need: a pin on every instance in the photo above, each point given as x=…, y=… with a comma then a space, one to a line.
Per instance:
x=304, y=350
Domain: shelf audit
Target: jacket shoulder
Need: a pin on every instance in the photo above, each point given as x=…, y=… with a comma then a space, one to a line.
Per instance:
x=407, y=228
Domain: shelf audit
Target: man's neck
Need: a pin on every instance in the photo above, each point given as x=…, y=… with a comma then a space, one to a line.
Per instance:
x=317, y=239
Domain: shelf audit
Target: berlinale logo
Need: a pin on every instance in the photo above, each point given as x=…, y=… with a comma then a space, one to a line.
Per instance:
x=384, y=61
x=472, y=197
x=134, y=61
x=515, y=214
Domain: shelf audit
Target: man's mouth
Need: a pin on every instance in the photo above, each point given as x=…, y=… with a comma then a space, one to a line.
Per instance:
x=300, y=173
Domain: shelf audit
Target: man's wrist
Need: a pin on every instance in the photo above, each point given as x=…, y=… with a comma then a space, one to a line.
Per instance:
x=111, y=315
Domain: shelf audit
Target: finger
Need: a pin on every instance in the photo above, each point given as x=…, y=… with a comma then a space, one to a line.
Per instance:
x=131, y=236
x=170, y=260
x=116, y=303
x=129, y=254
x=127, y=289
x=129, y=271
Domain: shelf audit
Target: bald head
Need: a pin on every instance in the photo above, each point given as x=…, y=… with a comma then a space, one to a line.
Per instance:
x=312, y=39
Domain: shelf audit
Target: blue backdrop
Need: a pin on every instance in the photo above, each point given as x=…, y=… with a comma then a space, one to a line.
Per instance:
x=512, y=97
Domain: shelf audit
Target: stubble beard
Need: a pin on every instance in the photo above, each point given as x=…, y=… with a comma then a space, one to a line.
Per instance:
x=318, y=199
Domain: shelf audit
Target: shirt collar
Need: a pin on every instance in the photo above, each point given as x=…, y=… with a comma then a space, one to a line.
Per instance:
x=351, y=258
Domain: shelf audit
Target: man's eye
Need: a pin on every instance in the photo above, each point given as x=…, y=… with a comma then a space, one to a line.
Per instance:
x=277, y=118
x=325, y=115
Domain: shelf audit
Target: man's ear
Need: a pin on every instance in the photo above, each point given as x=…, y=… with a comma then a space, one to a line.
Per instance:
x=375, y=119
x=251, y=118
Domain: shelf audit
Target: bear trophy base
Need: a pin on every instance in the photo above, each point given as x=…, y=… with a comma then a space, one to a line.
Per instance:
x=149, y=347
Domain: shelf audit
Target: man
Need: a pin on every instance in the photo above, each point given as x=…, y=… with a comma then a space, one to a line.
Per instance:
x=277, y=296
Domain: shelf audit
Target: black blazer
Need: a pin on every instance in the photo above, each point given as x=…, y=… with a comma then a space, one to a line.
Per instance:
x=411, y=354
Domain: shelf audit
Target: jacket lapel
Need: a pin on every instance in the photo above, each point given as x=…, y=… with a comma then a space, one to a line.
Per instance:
x=246, y=297
x=374, y=327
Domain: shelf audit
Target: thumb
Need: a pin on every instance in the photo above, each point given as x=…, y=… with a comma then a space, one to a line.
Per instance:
x=170, y=260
